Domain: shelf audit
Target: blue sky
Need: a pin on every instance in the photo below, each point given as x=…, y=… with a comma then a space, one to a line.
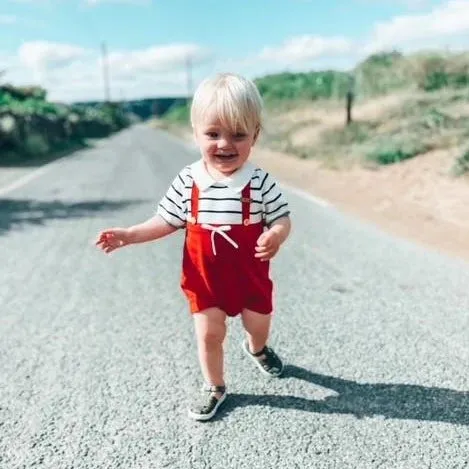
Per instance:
x=56, y=43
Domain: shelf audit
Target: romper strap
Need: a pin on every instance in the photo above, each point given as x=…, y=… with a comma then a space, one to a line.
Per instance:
x=246, y=203
x=194, y=204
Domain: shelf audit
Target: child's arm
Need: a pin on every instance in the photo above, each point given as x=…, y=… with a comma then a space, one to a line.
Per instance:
x=150, y=230
x=270, y=241
x=276, y=216
x=169, y=217
x=282, y=227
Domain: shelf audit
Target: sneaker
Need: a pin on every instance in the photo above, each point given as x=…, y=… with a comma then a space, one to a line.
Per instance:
x=270, y=365
x=209, y=404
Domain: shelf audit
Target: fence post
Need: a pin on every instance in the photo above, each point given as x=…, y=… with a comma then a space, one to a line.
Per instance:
x=349, y=99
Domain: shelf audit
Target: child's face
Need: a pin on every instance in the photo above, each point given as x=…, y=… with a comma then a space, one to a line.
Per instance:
x=222, y=148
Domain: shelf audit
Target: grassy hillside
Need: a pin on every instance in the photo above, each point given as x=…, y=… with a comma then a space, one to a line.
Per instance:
x=404, y=106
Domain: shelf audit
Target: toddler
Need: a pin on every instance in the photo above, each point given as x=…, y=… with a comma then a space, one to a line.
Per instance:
x=235, y=219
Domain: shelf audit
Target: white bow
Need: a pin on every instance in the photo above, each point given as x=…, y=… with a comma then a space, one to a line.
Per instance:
x=221, y=231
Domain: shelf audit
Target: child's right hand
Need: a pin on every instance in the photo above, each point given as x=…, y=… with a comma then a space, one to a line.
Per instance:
x=113, y=238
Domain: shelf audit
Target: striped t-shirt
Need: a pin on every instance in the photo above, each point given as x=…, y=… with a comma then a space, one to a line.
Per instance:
x=220, y=201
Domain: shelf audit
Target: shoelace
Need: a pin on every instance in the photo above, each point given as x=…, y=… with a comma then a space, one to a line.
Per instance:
x=221, y=231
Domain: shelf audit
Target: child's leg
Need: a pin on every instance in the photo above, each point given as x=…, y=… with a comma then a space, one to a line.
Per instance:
x=210, y=329
x=257, y=327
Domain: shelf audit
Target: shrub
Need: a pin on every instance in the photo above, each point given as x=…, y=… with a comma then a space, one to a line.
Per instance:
x=394, y=152
x=41, y=126
x=383, y=73
x=440, y=71
x=461, y=165
x=300, y=86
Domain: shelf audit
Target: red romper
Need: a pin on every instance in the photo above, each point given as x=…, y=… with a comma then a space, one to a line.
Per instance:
x=219, y=268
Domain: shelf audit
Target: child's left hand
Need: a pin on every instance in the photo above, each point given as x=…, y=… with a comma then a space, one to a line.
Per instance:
x=267, y=245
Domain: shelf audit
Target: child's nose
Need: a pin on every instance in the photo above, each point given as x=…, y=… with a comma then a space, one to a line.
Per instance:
x=224, y=142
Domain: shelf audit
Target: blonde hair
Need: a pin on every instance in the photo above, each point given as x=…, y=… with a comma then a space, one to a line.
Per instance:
x=232, y=99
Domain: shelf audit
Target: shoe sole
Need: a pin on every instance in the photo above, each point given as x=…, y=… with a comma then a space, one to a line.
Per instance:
x=256, y=361
x=204, y=417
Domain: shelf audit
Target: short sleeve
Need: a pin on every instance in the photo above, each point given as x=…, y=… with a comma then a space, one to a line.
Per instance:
x=273, y=200
x=173, y=206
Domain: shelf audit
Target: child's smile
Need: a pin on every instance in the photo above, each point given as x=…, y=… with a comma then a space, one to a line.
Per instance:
x=224, y=150
x=226, y=157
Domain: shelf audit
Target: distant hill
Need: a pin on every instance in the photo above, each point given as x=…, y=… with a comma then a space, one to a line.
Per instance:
x=143, y=108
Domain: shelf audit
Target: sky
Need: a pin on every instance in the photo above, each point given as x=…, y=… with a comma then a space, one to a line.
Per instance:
x=156, y=48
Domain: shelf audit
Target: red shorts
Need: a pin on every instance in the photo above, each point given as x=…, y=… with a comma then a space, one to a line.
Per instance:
x=218, y=274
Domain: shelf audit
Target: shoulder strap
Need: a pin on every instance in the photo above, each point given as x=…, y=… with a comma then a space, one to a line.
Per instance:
x=194, y=203
x=246, y=203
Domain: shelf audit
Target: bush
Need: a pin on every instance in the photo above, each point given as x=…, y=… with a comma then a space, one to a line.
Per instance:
x=23, y=93
x=30, y=125
x=462, y=165
x=394, y=152
x=441, y=71
x=383, y=73
x=301, y=86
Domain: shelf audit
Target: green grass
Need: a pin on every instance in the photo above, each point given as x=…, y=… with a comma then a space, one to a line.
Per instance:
x=395, y=151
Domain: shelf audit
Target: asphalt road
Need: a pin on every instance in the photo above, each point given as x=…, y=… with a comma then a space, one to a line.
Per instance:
x=97, y=353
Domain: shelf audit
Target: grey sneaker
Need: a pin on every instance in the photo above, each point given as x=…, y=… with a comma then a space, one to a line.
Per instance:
x=208, y=404
x=270, y=365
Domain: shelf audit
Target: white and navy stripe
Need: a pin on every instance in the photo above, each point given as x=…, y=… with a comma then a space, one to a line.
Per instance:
x=220, y=203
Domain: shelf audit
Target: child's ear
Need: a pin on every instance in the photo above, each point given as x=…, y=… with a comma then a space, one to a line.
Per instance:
x=256, y=134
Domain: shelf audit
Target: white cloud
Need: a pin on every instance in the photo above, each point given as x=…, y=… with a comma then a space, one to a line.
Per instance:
x=71, y=73
x=305, y=48
x=439, y=24
x=158, y=58
x=42, y=55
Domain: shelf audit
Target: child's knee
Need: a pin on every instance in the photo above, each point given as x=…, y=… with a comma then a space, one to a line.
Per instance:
x=212, y=337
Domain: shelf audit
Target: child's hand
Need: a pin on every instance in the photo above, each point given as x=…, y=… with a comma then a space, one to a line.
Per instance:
x=267, y=245
x=112, y=239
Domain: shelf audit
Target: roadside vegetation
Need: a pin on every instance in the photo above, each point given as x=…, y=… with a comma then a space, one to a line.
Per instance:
x=31, y=126
x=403, y=107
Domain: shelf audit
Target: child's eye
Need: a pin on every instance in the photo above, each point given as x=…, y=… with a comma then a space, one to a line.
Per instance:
x=239, y=135
x=211, y=134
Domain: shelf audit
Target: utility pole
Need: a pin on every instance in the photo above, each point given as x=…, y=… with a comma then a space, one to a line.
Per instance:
x=189, y=80
x=107, y=93
x=189, y=76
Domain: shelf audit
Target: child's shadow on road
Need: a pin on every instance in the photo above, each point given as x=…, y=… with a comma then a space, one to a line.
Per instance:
x=396, y=401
